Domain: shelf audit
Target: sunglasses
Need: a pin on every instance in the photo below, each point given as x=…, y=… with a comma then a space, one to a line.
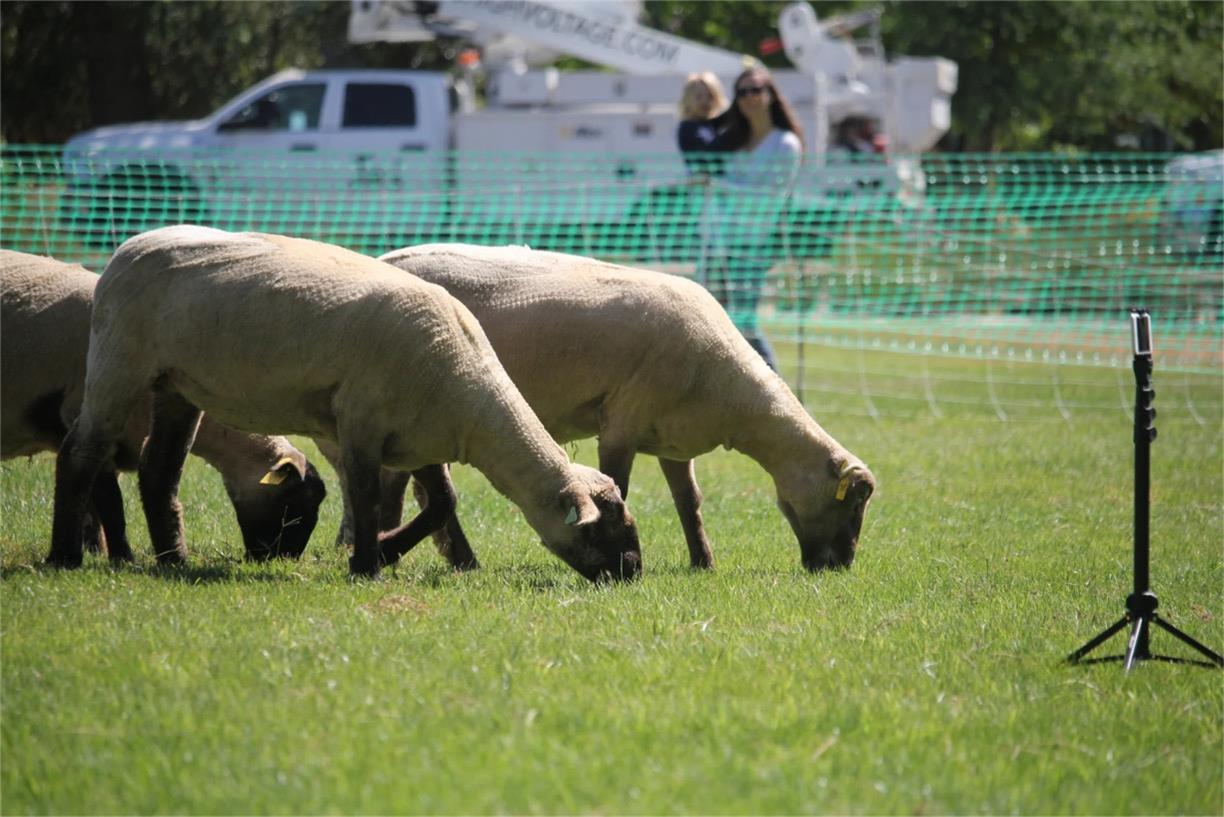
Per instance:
x=752, y=90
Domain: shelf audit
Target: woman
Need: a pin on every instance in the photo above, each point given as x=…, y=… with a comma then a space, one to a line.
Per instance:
x=701, y=104
x=767, y=146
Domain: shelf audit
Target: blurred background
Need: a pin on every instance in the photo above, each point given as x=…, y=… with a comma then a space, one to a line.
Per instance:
x=1033, y=76
x=1036, y=168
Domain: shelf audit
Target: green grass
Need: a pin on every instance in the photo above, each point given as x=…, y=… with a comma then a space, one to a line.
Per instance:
x=927, y=679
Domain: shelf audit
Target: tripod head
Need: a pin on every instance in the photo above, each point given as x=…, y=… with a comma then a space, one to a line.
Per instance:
x=1141, y=332
x=1145, y=395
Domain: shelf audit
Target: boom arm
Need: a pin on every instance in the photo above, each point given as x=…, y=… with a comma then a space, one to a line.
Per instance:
x=596, y=32
x=909, y=97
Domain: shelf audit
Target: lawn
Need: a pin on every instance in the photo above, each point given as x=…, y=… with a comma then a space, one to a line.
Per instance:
x=926, y=679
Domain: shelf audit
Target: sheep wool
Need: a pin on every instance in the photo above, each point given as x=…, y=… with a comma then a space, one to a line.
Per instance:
x=45, y=309
x=651, y=363
x=276, y=335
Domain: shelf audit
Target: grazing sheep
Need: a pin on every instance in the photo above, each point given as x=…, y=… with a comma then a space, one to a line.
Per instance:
x=282, y=335
x=44, y=339
x=651, y=363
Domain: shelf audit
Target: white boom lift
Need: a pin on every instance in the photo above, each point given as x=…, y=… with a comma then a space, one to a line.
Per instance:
x=834, y=78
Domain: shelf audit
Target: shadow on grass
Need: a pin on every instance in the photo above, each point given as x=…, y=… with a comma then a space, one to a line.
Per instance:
x=1167, y=659
x=184, y=574
x=546, y=577
x=519, y=577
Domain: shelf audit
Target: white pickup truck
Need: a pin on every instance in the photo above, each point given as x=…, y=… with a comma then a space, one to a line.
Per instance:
x=301, y=145
x=386, y=157
x=393, y=152
x=407, y=154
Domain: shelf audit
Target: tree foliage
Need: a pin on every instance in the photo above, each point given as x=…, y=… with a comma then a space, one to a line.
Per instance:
x=68, y=66
x=1040, y=76
x=1033, y=76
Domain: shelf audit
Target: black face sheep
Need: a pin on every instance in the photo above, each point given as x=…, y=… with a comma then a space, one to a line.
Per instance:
x=270, y=334
x=44, y=339
x=650, y=362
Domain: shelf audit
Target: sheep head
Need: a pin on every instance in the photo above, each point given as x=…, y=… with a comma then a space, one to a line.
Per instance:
x=590, y=528
x=824, y=506
x=278, y=513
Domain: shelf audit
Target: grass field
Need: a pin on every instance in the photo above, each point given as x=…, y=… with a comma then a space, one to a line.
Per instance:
x=927, y=679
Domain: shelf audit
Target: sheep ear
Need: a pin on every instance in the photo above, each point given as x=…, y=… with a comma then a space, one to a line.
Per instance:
x=850, y=475
x=861, y=489
x=582, y=512
x=285, y=467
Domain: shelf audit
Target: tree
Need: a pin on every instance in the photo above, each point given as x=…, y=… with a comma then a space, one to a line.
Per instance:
x=1041, y=76
x=1033, y=76
x=68, y=66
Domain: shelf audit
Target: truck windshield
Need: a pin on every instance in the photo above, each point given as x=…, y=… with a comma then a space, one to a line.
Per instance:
x=287, y=108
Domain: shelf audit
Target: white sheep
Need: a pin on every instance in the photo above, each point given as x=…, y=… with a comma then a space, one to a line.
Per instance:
x=650, y=362
x=44, y=339
x=282, y=335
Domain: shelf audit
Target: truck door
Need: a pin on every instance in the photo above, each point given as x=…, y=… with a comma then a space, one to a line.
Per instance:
x=395, y=141
x=286, y=117
x=269, y=156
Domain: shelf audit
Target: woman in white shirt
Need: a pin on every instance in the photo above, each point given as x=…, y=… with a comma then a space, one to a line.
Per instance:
x=767, y=146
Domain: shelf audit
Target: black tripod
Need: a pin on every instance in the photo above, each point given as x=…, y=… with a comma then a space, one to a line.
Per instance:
x=1142, y=603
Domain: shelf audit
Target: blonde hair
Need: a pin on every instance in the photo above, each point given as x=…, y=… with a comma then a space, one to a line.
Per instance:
x=689, y=107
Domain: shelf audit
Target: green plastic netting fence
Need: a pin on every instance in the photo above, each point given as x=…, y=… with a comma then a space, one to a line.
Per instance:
x=992, y=285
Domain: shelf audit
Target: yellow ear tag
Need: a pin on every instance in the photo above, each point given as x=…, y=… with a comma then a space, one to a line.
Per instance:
x=276, y=475
x=842, y=487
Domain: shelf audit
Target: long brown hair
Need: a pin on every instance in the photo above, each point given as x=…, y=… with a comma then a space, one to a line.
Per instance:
x=780, y=114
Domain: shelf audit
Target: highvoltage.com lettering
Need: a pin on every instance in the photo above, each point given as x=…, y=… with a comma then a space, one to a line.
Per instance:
x=567, y=23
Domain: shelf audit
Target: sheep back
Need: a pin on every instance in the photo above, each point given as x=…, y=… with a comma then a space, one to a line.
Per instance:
x=44, y=337
x=638, y=348
x=275, y=335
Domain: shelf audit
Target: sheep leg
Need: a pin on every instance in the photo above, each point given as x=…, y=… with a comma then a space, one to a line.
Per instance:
x=682, y=480
x=450, y=539
x=392, y=484
x=616, y=461
x=92, y=537
x=107, y=501
x=344, y=535
x=84, y=452
x=331, y=452
x=391, y=500
x=438, y=507
x=361, y=491
x=171, y=432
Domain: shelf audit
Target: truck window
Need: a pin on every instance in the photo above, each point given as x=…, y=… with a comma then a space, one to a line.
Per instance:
x=379, y=105
x=287, y=108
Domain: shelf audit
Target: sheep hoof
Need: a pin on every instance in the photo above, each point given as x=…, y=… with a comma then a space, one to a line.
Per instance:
x=68, y=561
x=120, y=554
x=171, y=558
x=363, y=568
x=389, y=555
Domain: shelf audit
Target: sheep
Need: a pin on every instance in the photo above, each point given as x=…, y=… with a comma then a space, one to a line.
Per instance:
x=650, y=362
x=272, y=334
x=44, y=339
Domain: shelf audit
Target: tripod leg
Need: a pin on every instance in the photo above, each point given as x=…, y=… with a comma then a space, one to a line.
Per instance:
x=1137, y=647
x=1215, y=657
x=1100, y=639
